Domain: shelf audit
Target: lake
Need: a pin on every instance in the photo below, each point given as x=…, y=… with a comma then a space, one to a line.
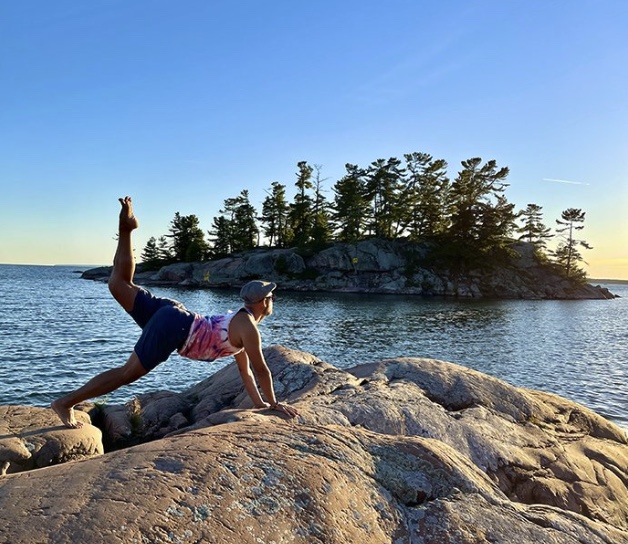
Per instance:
x=57, y=331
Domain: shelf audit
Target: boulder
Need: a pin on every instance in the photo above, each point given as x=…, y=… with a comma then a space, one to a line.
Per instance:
x=379, y=256
x=537, y=447
x=222, y=272
x=259, y=265
x=33, y=438
x=267, y=480
x=405, y=450
x=339, y=258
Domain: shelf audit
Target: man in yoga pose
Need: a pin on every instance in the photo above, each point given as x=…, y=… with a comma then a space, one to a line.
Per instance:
x=167, y=326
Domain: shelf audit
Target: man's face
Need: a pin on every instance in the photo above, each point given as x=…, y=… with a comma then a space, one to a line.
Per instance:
x=268, y=305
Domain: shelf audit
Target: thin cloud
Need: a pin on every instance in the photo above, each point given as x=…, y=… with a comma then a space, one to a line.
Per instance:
x=565, y=181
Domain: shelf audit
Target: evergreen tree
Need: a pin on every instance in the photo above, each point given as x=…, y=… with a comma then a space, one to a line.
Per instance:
x=275, y=210
x=301, y=215
x=245, y=231
x=321, y=229
x=425, y=195
x=164, y=250
x=235, y=230
x=150, y=253
x=497, y=225
x=188, y=240
x=481, y=219
x=533, y=230
x=383, y=189
x=157, y=253
x=220, y=236
x=351, y=205
x=197, y=250
x=566, y=254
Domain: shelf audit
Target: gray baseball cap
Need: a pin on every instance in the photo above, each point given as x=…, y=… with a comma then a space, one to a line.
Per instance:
x=256, y=290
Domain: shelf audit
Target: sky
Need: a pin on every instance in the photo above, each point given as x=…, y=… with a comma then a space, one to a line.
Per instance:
x=183, y=104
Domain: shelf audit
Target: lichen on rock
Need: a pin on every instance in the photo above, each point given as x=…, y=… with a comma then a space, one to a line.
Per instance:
x=404, y=450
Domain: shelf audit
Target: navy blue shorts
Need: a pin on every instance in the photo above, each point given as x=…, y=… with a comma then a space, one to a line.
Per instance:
x=165, y=326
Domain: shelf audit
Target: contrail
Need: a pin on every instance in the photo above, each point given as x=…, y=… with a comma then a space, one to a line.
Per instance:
x=565, y=181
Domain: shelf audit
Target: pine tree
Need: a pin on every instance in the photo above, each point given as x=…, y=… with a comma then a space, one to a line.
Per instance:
x=497, y=225
x=150, y=253
x=533, y=229
x=220, y=236
x=425, y=195
x=301, y=216
x=481, y=218
x=351, y=205
x=275, y=210
x=566, y=254
x=321, y=229
x=383, y=189
x=163, y=250
x=245, y=231
x=188, y=240
x=236, y=229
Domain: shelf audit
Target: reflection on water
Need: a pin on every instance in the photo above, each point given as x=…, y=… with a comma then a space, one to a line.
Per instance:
x=57, y=330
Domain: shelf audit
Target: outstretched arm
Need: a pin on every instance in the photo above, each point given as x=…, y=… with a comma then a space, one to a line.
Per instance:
x=242, y=359
x=252, y=356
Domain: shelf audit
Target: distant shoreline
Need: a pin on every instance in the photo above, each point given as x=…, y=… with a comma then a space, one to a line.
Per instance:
x=80, y=268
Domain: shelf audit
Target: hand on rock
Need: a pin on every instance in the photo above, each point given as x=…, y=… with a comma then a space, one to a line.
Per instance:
x=286, y=409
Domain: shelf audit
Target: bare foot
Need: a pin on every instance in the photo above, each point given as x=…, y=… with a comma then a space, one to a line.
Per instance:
x=128, y=221
x=66, y=415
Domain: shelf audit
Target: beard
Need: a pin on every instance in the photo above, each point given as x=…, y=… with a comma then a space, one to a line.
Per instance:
x=267, y=311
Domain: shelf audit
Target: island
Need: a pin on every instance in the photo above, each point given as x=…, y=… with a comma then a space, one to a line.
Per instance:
x=377, y=266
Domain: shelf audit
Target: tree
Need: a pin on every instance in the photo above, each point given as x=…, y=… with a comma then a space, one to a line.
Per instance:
x=481, y=219
x=533, y=229
x=188, y=240
x=567, y=254
x=235, y=230
x=220, y=236
x=164, y=252
x=150, y=253
x=351, y=205
x=156, y=253
x=497, y=225
x=301, y=216
x=321, y=229
x=244, y=229
x=275, y=210
x=383, y=190
x=424, y=196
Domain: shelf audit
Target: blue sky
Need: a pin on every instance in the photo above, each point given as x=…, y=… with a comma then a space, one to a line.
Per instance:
x=182, y=104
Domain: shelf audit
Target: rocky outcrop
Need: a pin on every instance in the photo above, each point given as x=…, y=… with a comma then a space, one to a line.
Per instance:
x=374, y=266
x=403, y=450
x=33, y=438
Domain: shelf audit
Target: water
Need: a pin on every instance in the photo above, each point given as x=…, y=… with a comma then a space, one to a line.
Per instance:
x=57, y=331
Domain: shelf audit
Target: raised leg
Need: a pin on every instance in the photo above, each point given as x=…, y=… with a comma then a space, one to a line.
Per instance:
x=104, y=383
x=124, y=290
x=121, y=280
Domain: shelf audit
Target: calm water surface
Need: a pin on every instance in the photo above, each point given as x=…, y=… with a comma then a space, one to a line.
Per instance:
x=57, y=331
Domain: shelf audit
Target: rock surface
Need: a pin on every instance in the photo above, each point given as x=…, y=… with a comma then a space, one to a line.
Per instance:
x=33, y=438
x=398, y=451
x=372, y=266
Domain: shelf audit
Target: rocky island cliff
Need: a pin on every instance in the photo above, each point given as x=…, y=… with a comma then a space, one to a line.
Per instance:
x=398, y=451
x=374, y=266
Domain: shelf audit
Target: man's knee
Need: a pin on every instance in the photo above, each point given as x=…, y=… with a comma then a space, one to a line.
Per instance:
x=133, y=369
x=114, y=283
x=123, y=291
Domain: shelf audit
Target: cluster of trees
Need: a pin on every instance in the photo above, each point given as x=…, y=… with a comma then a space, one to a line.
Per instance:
x=467, y=220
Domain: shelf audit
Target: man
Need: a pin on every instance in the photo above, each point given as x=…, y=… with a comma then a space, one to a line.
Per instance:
x=167, y=326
